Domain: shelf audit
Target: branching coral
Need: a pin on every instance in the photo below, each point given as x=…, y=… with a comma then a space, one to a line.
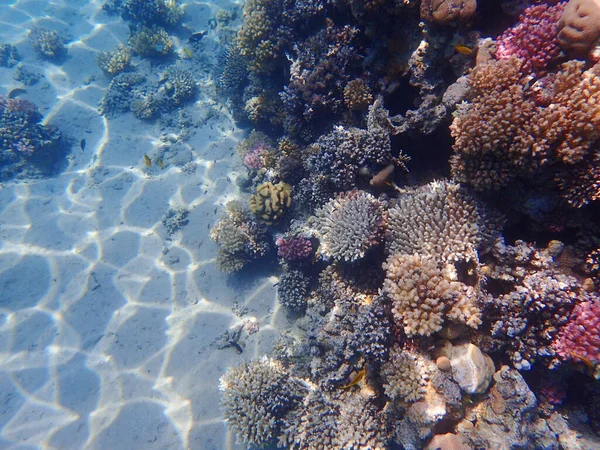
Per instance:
x=292, y=290
x=439, y=219
x=116, y=61
x=255, y=398
x=424, y=294
x=293, y=248
x=154, y=41
x=150, y=12
x=178, y=85
x=350, y=225
x=239, y=238
x=405, y=375
x=47, y=43
x=534, y=39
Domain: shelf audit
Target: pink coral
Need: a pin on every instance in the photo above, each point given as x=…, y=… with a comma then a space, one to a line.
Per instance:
x=293, y=248
x=534, y=39
x=580, y=336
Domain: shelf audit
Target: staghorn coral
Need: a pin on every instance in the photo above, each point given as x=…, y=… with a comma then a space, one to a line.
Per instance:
x=152, y=42
x=47, y=43
x=349, y=226
x=116, y=61
x=255, y=398
x=239, y=238
x=580, y=336
x=580, y=27
x=292, y=290
x=178, y=85
x=446, y=12
x=534, y=39
x=425, y=293
x=271, y=201
x=439, y=219
x=346, y=421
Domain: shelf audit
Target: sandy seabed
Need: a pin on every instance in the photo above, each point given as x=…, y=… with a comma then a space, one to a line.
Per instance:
x=109, y=323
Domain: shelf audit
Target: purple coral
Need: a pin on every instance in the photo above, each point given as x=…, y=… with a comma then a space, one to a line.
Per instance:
x=580, y=338
x=255, y=158
x=293, y=248
x=534, y=39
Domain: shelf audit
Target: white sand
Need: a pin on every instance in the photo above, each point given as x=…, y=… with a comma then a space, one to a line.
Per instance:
x=108, y=325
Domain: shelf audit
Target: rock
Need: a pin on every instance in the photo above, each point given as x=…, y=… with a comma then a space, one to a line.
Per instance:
x=448, y=441
x=472, y=369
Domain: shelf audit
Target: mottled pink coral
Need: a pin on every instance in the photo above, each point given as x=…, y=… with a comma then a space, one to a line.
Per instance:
x=534, y=39
x=294, y=248
x=580, y=337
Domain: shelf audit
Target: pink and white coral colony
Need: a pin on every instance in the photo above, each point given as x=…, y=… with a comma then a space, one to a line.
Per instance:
x=580, y=337
x=293, y=248
x=255, y=158
x=534, y=39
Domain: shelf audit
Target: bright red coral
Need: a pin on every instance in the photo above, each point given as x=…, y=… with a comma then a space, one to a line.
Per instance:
x=579, y=339
x=534, y=39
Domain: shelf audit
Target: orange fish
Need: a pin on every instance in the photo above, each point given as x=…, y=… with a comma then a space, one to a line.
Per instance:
x=463, y=50
x=357, y=379
x=583, y=359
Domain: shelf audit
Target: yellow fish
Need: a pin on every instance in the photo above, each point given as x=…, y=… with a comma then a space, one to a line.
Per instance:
x=187, y=53
x=160, y=162
x=583, y=359
x=357, y=379
x=463, y=50
x=147, y=160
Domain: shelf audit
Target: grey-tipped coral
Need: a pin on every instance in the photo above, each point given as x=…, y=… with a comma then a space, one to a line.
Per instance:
x=350, y=225
x=255, y=397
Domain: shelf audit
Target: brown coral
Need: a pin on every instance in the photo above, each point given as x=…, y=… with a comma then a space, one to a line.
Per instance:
x=271, y=201
x=424, y=293
x=357, y=95
x=579, y=27
x=448, y=11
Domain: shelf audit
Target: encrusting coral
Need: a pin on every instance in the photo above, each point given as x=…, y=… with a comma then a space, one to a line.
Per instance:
x=349, y=225
x=580, y=26
x=271, y=201
x=255, y=398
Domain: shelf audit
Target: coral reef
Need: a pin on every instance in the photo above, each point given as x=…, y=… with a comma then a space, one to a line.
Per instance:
x=150, y=12
x=271, y=201
x=424, y=294
x=405, y=375
x=153, y=41
x=293, y=248
x=292, y=290
x=349, y=226
x=27, y=148
x=9, y=56
x=579, y=337
x=445, y=12
x=255, y=398
x=118, y=97
x=47, y=43
x=178, y=85
x=439, y=219
x=534, y=39
x=239, y=238
x=116, y=61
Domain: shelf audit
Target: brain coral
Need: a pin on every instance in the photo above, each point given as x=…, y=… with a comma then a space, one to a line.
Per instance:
x=255, y=397
x=424, y=293
x=349, y=225
x=438, y=219
x=271, y=201
x=579, y=26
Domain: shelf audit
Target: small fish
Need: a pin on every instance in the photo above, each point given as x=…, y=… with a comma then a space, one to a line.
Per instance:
x=197, y=37
x=187, y=53
x=381, y=178
x=463, y=50
x=238, y=347
x=160, y=162
x=82, y=144
x=357, y=379
x=147, y=160
x=583, y=359
x=16, y=92
x=212, y=23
